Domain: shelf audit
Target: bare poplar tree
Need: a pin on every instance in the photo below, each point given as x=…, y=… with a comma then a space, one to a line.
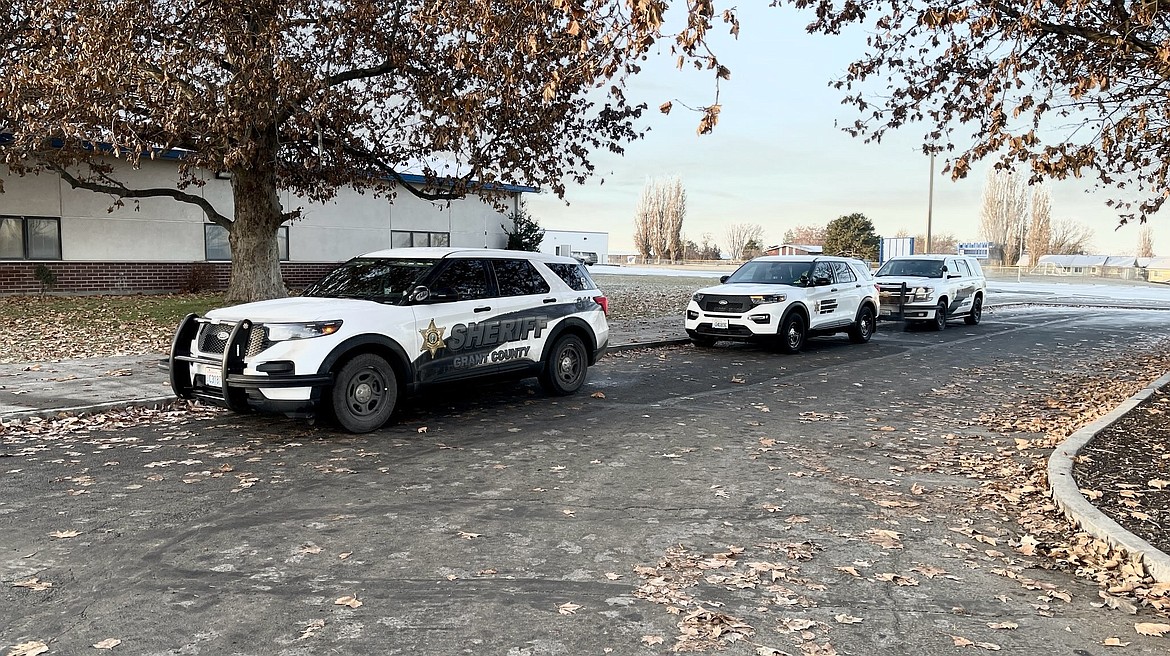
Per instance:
x=1003, y=217
x=738, y=236
x=675, y=208
x=1070, y=238
x=1039, y=240
x=644, y=223
x=1145, y=241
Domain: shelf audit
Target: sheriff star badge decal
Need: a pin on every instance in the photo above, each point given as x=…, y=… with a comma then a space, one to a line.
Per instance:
x=433, y=338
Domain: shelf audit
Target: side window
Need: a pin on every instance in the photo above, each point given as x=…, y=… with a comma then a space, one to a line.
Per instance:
x=844, y=273
x=952, y=268
x=822, y=271
x=574, y=275
x=975, y=268
x=862, y=271
x=963, y=269
x=518, y=278
x=462, y=280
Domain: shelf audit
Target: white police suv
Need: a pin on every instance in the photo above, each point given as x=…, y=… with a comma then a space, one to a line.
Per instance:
x=786, y=299
x=392, y=322
x=930, y=289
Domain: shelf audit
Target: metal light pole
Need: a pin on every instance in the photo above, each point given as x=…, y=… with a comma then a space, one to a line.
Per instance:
x=930, y=202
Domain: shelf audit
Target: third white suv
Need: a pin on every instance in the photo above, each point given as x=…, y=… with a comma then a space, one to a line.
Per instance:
x=931, y=289
x=786, y=299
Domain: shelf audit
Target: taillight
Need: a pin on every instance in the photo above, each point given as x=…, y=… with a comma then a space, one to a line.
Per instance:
x=603, y=302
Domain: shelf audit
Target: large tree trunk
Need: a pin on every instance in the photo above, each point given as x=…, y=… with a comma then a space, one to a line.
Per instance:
x=255, y=254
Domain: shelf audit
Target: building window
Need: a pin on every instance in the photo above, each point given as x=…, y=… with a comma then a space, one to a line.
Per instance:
x=217, y=248
x=418, y=238
x=30, y=238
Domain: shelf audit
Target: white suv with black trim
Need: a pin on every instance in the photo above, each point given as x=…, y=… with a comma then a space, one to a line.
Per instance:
x=931, y=289
x=392, y=322
x=786, y=299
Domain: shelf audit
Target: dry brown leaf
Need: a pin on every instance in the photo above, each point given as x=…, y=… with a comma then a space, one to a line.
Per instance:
x=469, y=536
x=348, y=600
x=1114, y=642
x=1151, y=628
x=650, y=640
x=612, y=576
x=884, y=538
x=852, y=571
x=598, y=395
x=108, y=643
x=30, y=648
x=33, y=584
x=568, y=608
x=960, y=641
x=847, y=619
x=64, y=534
x=1159, y=483
x=1003, y=626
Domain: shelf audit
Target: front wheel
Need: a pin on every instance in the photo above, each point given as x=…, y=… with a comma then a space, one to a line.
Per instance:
x=792, y=333
x=940, y=316
x=976, y=312
x=564, y=373
x=864, y=327
x=364, y=393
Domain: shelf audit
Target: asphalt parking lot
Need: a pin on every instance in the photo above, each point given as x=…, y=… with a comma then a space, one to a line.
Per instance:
x=829, y=502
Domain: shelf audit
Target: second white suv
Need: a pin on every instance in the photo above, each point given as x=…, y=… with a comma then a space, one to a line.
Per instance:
x=786, y=299
x=932, y=289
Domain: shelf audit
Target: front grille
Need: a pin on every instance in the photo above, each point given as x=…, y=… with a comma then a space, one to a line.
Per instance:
x=731, y=304
x=210, y=341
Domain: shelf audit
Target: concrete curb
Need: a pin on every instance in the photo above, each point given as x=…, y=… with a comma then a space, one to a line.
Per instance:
x=1069, y=499
x=672, y=341
x=53, y=413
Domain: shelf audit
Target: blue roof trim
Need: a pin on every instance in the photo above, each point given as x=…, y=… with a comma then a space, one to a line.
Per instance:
x=176, y=155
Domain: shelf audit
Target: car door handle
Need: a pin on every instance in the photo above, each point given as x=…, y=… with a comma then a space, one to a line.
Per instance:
x=550, y=300
x=483, y=309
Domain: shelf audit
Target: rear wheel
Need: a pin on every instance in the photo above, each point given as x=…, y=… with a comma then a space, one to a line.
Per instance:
x=940, y=316
x=864, y=327
x=792, y=333
x=364, y=393
x=976, y=312
x=564, y=373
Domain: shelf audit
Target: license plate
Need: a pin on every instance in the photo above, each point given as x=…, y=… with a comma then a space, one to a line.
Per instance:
x=886, y=313
x=720, y=324
x=212, y=376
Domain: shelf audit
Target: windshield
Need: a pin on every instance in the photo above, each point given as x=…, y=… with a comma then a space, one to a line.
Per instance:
x=772, y=273
x=373, y=278
x=916, y=268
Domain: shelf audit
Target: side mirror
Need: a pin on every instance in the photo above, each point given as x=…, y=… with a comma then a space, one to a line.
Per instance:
x=420, y=294
x=723, y=279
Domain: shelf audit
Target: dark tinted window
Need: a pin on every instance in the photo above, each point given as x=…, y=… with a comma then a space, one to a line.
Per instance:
x=376, y=278
x=574, y=275
x=518, y=278
x=822, y=271
x=844, y=273
x=462, y=280
x=770, y=272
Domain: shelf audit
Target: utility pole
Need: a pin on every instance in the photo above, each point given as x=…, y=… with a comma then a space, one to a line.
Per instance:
x=930, y=202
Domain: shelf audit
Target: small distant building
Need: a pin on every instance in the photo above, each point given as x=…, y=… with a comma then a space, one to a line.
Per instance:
x=1158, y=269
x=794, y=249
x=1072, y=265
x=578, y=241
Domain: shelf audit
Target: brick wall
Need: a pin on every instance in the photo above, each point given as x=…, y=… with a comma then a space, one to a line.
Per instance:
x=141, y=277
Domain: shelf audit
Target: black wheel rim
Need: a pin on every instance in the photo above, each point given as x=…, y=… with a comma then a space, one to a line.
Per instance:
x=940, y=316
x=978, y=311
x=569, y=365
x=365, y=392
x=795, y=334
x=866, y=324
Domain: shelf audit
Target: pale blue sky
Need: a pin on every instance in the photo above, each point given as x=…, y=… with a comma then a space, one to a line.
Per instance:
x=778, y=159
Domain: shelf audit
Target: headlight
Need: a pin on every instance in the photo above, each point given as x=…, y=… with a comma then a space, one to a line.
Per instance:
x=768, y=298
x=698, y=298
x=922, y=293
x=280, y=332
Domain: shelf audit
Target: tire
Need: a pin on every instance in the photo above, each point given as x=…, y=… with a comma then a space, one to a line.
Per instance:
x=702, y=341
x=364, y=393
x=793, y=332
x=940, y=316
x=976, y=312
x=564, y=373
x=864, y=327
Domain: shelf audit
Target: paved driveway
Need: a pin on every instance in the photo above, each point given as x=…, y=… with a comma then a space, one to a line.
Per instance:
x=830, y=502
